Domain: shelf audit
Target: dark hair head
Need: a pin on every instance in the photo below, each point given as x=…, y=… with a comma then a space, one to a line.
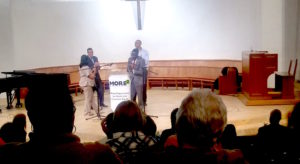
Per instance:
x=173, y=118
x=20, y=120
x=135, y=52
x=275, y=116
x=83, y=60
x=88, y=49
x=7, y=132
x=224, y=71
x=49, y=104
x=294, y=120
x=128, y=117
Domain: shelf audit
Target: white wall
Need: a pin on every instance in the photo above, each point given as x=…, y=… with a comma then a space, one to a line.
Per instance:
x=54, y=32
x=6, y=58
x=50, y=33
x=298, y=42
x=273, y=28
x=291, y=34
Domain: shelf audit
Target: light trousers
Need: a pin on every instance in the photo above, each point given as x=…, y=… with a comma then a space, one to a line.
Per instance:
x=89, y=100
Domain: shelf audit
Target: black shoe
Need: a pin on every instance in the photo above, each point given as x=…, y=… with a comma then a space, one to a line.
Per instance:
x=103, y=105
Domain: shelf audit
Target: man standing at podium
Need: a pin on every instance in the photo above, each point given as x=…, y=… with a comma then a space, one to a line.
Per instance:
x=135, y=68
x=93, y=63
x=144, y=54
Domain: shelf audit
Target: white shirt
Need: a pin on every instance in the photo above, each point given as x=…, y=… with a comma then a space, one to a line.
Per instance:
x=85, y=81
x=144, y=54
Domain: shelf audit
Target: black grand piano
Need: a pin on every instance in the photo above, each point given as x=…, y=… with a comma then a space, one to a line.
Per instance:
x=11, y=85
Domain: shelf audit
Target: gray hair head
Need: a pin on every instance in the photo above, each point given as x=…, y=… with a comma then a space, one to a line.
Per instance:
x=201, y=117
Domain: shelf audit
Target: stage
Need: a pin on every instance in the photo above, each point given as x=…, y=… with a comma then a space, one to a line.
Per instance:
x=247, y=119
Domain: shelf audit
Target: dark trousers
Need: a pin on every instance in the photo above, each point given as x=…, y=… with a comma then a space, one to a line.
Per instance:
x=145, y=77
x=100, y=91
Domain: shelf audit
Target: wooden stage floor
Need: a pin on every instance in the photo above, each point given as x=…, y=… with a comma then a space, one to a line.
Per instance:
x=247, y=119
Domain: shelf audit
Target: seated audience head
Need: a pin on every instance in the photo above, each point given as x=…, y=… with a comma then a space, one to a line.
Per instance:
x=275, y=117
x=7, y=132
x=201, y=119
x=173, y=118
x=230, y=131
x=20, y=121
x=49, y=104
x=294, y=119
x=128, y=117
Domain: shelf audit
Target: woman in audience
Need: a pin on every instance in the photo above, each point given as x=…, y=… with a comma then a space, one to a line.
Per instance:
x=128, y=138
x=149, y=128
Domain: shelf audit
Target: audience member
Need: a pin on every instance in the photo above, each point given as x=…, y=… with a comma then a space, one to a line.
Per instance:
x=19, y=122
x=51, y=112
x=294, y=125
x=200, y=121
x=12, y=132
x=168, y=132
x=229, y=137
x=128, y=138
x=149, y=128
x=273, y=137
x=7, y=132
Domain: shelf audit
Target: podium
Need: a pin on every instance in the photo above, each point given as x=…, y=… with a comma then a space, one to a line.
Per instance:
x=119, y=85
x=257, y=67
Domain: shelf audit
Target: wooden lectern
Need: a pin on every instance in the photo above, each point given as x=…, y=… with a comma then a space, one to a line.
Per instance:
x=257, y=67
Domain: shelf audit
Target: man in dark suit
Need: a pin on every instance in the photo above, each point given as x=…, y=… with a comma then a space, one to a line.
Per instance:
x=93, y=62
x=135, y=69
x=274, y=137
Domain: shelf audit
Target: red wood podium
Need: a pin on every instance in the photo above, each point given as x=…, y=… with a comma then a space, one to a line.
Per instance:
x=257, y=67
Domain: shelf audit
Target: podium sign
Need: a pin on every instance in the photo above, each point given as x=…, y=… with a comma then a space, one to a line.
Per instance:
x=119, y=85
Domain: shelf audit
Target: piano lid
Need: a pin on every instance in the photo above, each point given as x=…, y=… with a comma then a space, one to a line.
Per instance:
x=19, y=72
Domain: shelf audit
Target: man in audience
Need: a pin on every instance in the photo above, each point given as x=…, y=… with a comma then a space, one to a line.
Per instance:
x=128, y=138
x=51, y=112
x=274, y=137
